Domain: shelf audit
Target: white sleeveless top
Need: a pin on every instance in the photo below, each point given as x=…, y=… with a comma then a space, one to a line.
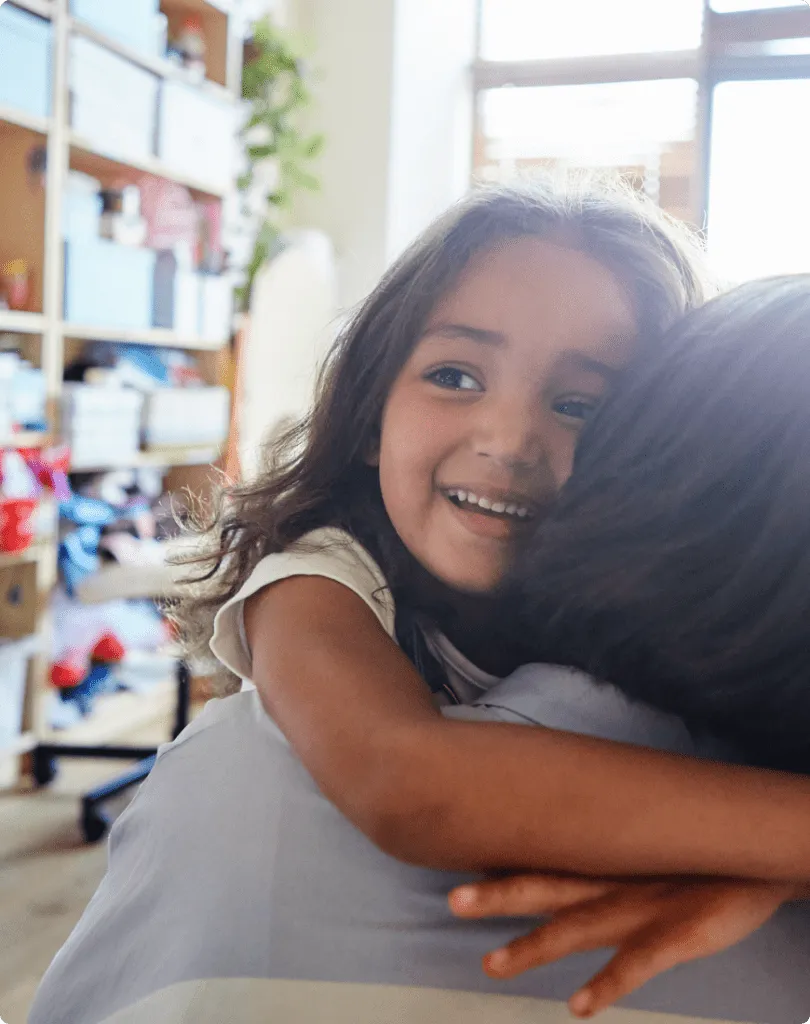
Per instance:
x=335, y=555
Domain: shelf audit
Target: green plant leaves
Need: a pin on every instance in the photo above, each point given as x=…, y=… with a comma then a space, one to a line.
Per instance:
x=274, y=80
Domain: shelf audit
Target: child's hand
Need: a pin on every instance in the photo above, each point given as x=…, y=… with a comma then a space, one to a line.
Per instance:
x=654, y=925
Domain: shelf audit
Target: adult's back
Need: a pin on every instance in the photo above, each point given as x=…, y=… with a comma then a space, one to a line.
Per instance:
x=230, y=864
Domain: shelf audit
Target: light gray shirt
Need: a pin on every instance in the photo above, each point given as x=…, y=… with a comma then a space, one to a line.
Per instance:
x=229, y=863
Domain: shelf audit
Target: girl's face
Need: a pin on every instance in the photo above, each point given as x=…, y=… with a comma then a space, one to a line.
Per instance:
x=479, y=430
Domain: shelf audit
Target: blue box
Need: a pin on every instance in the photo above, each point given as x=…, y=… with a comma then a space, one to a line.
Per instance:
x=25, y=61
x=108, y=285
x=132, y=23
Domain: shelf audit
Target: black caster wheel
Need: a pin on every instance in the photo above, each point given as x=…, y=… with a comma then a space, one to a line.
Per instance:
x=44, y=768
x=95, y=824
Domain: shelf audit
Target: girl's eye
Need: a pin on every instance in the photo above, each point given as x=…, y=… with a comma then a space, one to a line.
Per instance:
x=453, y=379
x=575, y=408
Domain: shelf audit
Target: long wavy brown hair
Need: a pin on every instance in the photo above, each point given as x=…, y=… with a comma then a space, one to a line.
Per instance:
x=315, y=472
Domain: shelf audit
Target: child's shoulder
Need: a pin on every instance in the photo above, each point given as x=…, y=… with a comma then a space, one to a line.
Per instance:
x=328, y=552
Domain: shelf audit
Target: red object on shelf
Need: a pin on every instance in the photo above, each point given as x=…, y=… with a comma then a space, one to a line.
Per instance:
x=109, y=649
x=16, y=524
x=65, y=675
x=17, y=277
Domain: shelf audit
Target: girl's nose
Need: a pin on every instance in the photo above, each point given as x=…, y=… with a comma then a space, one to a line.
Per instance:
x=510, y=432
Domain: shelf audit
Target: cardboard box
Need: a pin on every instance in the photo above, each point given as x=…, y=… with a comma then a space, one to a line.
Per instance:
x=18, y=600
x=13, y=677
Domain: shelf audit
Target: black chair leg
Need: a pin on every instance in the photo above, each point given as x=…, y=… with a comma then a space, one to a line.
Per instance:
x=95, y=822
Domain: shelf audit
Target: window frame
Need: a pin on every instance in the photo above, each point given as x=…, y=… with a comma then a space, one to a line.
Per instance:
x=714, y=61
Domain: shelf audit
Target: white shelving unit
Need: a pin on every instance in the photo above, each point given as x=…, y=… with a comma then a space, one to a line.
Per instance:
x=23, y=119
x=47, y=334
x=22, y=323
x=157, y=338
x=147, y=165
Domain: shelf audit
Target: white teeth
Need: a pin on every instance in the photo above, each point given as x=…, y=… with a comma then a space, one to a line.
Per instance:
x=498, y=507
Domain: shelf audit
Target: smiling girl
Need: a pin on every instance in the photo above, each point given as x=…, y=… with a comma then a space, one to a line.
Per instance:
x=366, y=559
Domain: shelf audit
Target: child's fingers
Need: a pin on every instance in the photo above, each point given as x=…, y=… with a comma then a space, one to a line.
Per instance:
x=694, y=922
x=633, y=966
x=596, y=925
x=524, y=895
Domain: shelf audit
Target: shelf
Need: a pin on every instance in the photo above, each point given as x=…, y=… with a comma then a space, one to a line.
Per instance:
x=44, y=8
x=22, y=744
x=222, y=6
x=27, y=439
x=159, y=66
x=115, y=714
x=22, y=119
x=93, y=154
x=22, y=323
x=157, y=336
x=33, y=553
x=158, y=458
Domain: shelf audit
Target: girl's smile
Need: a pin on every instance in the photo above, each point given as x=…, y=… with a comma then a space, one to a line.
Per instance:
x=480, y=427
x=489, y=512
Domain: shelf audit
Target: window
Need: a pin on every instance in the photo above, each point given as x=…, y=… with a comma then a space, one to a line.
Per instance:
x=700, y=106
x=726, y=6
x=542, y=29
x=759, y=201
x=645, y=130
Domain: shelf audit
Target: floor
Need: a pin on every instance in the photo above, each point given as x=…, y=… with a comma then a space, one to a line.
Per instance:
x=47, y=872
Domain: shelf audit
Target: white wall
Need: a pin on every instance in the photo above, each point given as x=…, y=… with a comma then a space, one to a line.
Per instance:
x=393, y=101
x=352, y=42
x=431, y=114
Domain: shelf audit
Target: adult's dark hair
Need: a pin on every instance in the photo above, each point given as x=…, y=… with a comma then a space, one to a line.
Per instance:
x=316, y=472
x=676, y=563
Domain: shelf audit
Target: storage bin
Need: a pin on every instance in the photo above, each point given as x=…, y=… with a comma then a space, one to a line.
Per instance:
x=13, y=675
x=133, y=23
x=216, y=307
x=108, y=285
x=25, y=61
x=81, y=400
x=102, y=425
x=113, y=102
x=173, y=417
x=195, y=133
x=176, y=297
x=81, y=207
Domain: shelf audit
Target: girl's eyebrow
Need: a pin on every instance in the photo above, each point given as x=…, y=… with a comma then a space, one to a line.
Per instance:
x=479, y=334
x=591, y=365
x=487, y=337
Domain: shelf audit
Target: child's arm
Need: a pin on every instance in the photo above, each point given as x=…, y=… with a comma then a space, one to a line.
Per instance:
x=475, y=797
